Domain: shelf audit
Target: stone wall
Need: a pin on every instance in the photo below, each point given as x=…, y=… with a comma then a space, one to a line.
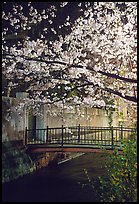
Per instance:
x=16, y=162
x=44, y=159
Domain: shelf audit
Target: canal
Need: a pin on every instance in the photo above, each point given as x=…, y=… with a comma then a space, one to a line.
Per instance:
x=57, y=183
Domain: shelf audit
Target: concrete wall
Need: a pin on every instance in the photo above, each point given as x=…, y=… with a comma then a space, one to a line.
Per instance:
x=82, y=115
x=13, y=123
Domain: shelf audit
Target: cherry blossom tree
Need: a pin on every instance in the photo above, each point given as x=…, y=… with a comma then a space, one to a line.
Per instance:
x=90, y=59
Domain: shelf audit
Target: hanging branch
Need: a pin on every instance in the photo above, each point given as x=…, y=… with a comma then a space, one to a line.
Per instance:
x=73, y=65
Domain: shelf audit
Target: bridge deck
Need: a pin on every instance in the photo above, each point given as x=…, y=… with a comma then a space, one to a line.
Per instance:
x=84, y=149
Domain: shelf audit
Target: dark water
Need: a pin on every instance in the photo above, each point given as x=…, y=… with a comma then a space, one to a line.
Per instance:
x=57, y=183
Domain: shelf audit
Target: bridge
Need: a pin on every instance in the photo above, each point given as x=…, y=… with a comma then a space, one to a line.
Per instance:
x=77, y=139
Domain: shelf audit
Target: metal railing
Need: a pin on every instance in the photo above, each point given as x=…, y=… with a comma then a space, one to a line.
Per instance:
x=80, y=136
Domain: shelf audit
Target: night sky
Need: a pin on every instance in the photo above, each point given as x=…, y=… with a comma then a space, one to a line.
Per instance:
x=71, y=9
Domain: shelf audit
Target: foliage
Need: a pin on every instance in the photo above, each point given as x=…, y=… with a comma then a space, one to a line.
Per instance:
x=120, y=183
x=110, y=112
x=94, y=47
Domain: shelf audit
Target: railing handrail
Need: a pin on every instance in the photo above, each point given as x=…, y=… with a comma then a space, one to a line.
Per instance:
x=87, y=127
x=51, y=128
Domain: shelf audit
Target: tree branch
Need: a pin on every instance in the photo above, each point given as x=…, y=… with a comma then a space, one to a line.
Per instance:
x=127, y=97
x=118, y=77
x=74, y=65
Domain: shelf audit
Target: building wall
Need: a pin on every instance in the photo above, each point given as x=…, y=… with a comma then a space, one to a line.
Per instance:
x=82, y=115
x=13, y=123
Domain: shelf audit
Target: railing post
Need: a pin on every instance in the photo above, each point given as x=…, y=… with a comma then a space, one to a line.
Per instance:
x=101, y=135
x=121, y=132
x=47, y=134
x=112, y=137
x=62, y=136
x=34, y=134
x=79, y=130
x=25, y=136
